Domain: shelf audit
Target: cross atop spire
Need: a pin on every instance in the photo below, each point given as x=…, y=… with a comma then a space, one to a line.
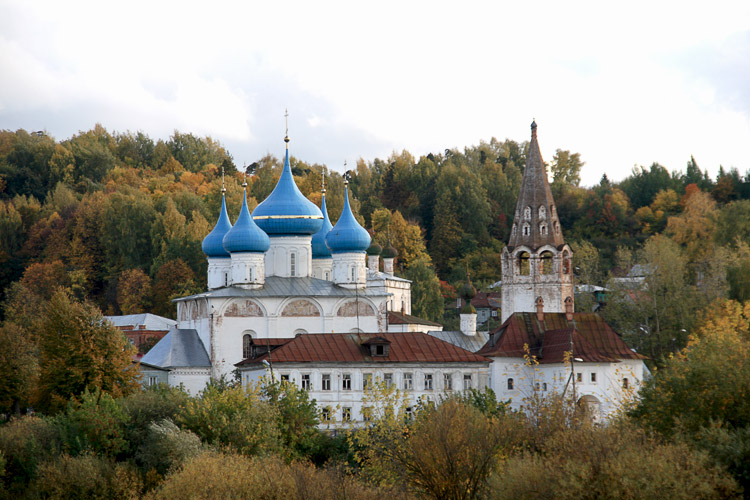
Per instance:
x=323, y=180
x=286, y=121
x=223, y=187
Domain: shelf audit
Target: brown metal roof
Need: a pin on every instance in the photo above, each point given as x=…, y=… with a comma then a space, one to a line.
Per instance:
x=397, y=318
x=408, y=347
x=593, y=339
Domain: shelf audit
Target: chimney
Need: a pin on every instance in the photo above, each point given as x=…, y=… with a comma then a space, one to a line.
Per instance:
x=540, y=309
x=569, y=307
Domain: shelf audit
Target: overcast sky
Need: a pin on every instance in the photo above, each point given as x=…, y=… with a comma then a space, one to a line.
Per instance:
x=622, y=85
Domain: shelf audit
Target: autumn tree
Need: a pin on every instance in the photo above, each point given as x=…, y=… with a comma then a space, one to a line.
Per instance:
x=133, y=291
x=173, y=279
x=80, y=351
x=694, y=228
x=447, y=452
x=18, y=367
x=708, y=381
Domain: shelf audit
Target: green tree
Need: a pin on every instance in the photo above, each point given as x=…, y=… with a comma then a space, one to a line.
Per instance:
x=566, y=167
x=708, y=381
x=79, y=352
x=297, y=415
x=426, y=299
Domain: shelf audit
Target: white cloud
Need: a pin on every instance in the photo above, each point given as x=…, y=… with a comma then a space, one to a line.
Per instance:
x=620, y=84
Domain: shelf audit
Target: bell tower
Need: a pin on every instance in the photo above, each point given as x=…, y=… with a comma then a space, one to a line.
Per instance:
x=537, y=261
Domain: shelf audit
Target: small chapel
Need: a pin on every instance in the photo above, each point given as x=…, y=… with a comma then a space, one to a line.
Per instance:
x=292, y=297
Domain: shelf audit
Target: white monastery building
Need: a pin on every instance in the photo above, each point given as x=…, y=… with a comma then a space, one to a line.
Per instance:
x=293, y=297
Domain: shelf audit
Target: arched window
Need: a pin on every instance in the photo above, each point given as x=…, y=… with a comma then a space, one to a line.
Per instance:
x=328, y=276
x=542, y=212
x=543, y=228
x=546, y=264
x=566, y=262
x=354, y=274
x=513, y=231
x=293, y=264
x=510, y=384
x=247, y=346
x=625, y=383
x=526, y=229
x=527, y=213
x=226, y=279
x=524, y=267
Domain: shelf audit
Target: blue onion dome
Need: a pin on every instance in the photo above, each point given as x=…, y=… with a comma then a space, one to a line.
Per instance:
x=246, y=236
x=212, y=243
x=286, y=210
x=347, y=235
x=319, y=248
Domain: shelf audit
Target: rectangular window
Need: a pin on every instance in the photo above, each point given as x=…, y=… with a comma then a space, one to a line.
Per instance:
x=625, y=383
x=325, y=414
x=152, y=381
x=579, y=378
x=448, y=381
x=593, y=377
x=544, y=386
x=428, y=381
x=293, y=264
x=408, y=382
x=388, y=379
x=326, y=379
x=467, y=381
x=346, y=414
x=306, y=382
x=366, y=380
x=366, y=413
x=346, y=381
x=285, y=378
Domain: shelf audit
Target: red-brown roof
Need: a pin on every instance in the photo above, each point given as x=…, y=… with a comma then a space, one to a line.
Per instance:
x=407, y=347
x=593, y=339
x=397, y=318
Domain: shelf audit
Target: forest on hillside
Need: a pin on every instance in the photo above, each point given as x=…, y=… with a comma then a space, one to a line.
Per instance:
x=118, y=219
x=113, y=223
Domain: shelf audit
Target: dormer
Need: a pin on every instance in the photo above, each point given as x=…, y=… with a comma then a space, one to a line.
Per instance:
x=378, y=347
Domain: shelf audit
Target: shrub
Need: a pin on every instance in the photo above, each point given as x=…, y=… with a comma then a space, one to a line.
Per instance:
x=232, y=417
x=142, y=408
x=95, y=423
x=615, y=462
x=235, y=476
x=25, y=443
x=87, y=477
x=167, y=447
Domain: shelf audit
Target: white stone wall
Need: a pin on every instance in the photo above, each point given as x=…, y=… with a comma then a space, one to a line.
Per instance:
x=193, y=380
x=219, y=272
x=338, y=398
x=222, y=322
x=520, y=291
x=279, y=256
x=322, y=269
x=349, y=269
x=248, y=269
x=606, y=385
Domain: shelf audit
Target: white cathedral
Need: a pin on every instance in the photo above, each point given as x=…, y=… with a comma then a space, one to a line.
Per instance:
x=294, y=298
